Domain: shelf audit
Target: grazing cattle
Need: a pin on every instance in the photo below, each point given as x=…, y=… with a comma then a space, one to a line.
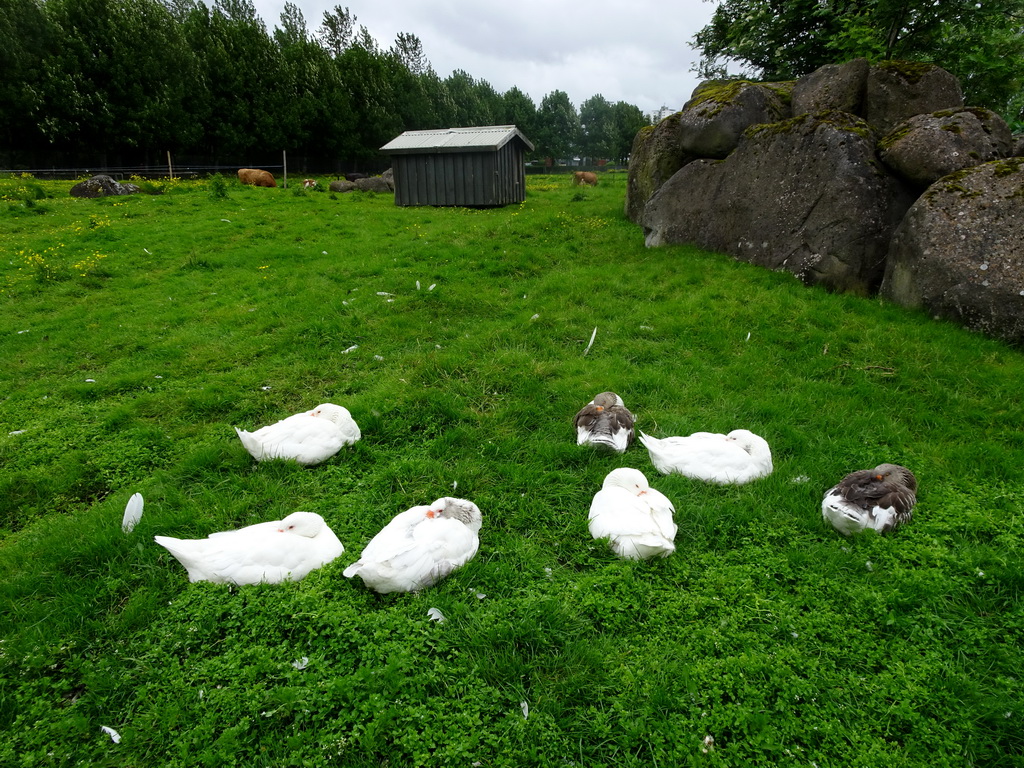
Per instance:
x=308, y=183
x=256, y=177
x=584, y=177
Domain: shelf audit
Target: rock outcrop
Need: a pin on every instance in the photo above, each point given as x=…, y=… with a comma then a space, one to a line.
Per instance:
x=657, y=154
x=817, y=177
x=718, y=113
x=838, y=87
x=372, y=184
x=959, y=252
x=897, y=90
x=102, y=185
x=925, y=148
x=828, y=219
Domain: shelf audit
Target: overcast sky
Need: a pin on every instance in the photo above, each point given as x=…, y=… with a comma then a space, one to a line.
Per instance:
x=637, y=51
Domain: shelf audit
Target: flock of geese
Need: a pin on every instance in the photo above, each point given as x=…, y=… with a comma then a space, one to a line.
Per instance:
x=423, y=544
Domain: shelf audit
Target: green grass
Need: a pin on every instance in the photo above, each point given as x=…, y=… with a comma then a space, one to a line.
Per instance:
x=212, y=306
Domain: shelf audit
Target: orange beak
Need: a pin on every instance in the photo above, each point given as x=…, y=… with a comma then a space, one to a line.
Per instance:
x=431, y=514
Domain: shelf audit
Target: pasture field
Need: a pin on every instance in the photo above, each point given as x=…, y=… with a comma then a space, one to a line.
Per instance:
x=135, y=332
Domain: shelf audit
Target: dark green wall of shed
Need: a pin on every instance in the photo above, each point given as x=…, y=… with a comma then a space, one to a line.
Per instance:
x=492, y=178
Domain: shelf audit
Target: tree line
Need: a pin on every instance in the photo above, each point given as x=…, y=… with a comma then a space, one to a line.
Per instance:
x=122, y=82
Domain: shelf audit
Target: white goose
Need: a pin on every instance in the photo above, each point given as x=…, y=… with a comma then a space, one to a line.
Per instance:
x=736, y=458
x=420, y=546
x=271, y=552
x=605, y=422
x=882, y=498
x=308, y=438
x=635, y=518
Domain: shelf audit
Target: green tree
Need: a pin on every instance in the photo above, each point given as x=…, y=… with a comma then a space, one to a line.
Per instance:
x=628, y=120
x=241, y=89
x=107, y=84
x=292, y=32
x=519, y=110
x=336, y=30
x=597, y=129
x=412, y=83
x=409, y=51
x=315, y=108
x=558, y=126
x=979, y=42
x=367, y=77
x=25, y=36
x=475, y=101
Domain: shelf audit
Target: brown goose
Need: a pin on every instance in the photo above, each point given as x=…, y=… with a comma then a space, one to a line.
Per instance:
x=882, y=498
x=605, y=422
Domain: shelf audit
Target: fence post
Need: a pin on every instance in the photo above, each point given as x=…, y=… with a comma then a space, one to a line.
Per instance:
x=284, y=161
x=170, y=168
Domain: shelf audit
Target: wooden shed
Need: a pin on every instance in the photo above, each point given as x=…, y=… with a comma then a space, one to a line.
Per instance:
x=459, y=166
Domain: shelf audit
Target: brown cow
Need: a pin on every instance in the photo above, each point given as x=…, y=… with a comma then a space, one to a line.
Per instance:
x=256, y=177
x=584, y=177
x=308, y=183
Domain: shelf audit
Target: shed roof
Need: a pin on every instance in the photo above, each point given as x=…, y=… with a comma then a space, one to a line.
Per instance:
x=491, y=137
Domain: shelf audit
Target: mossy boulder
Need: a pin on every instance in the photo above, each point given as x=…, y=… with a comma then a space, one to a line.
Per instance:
x=925, y=148
x=102, y=185
x=898, y=90
x=959, y=252
x=832, y=87
x=807, y=195
x=657, y=154
x=718, y=113
x=373, y=184
x=883, y=94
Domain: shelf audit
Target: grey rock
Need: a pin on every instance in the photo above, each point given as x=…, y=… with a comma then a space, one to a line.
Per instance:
x=832, y=87
x=372, y=184
x=925, y=148
x=897, y=90
x=807, y=195
x=102, y=185
x=959, y=253
x=657, y=153
x=718, y=113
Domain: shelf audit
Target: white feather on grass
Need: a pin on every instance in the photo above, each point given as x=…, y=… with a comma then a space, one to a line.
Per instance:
x=132, y=513
x=592, y=337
